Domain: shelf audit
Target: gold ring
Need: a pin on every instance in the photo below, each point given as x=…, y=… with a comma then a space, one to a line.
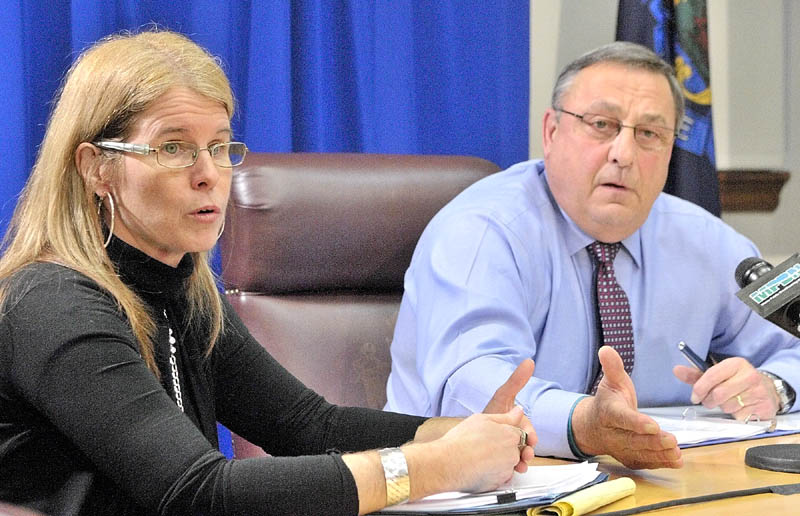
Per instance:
x=739, y=400
x=523, y=439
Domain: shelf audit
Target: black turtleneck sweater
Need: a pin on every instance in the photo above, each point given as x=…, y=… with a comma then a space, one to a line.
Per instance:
x=86, y=428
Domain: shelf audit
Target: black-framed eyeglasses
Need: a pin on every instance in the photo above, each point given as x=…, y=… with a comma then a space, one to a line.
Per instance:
x=178, y=154
x=647, y=136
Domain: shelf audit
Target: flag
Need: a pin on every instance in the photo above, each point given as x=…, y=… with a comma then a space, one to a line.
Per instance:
x=677, y=31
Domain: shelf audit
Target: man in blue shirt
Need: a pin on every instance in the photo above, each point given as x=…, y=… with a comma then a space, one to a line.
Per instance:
x=502, y=273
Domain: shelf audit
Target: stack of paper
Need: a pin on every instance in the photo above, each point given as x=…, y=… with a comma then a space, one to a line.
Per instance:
x=538, y=481
x=692, y=425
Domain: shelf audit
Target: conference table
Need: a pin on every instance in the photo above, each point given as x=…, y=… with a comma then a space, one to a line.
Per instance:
x=707, y=470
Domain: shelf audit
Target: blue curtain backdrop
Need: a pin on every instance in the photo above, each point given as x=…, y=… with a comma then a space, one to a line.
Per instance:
x=334, y=76
x=404, y=76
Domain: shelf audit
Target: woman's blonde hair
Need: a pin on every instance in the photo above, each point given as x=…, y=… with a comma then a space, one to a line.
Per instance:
x=57, y=219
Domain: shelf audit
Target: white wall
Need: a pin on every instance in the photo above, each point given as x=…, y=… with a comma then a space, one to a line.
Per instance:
x=561, y=30
x=754, y=53
x=747, y=59
x=776, y=233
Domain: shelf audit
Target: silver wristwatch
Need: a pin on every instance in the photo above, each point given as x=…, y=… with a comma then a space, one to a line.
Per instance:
x=395, y=469
x=786, y=394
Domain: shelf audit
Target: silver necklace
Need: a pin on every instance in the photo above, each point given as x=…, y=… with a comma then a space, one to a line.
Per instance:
x=173, y=363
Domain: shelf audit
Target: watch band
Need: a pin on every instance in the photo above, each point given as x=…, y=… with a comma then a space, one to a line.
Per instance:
x=786, y=394
x=395, y=469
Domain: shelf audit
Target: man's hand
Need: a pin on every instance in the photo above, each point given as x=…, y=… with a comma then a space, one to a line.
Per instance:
x=610, y=424
x=735, y=386
x=504, y=400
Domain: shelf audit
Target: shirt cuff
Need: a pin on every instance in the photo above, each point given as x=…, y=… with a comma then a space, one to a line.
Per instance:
x=550, y=415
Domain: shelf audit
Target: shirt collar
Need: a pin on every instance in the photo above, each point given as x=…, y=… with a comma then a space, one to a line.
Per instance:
x=574, y=237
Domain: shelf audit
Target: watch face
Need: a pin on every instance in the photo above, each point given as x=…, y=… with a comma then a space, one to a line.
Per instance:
x=395, y=469
x=394, y=463
x=783, y=395
x=784, y=391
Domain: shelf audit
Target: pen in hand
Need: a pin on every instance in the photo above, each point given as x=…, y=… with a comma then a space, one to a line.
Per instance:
x=698, y=362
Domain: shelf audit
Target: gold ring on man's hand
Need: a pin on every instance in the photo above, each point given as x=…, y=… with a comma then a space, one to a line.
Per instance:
x=739, y=400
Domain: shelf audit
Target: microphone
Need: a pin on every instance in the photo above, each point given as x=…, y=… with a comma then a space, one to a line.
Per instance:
x=772, y=292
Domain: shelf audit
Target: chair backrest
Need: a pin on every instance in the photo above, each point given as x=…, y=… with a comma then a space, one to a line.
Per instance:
x=314, y=253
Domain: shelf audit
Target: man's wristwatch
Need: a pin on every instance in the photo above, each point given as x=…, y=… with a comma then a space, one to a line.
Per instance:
x=786, y=394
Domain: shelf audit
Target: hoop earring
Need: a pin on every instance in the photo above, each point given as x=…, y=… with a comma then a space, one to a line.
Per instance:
x=113, y=213
x=221, y=229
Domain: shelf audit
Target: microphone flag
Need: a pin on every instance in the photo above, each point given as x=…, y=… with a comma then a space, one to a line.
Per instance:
x=775, y=294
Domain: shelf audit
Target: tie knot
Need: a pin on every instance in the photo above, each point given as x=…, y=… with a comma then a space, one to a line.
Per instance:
x=603, y=252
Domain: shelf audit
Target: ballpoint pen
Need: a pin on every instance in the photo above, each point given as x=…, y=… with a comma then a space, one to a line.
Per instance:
x=698, y=362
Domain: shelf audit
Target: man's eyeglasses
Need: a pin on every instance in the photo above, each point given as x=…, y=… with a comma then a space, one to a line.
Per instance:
x=604, y=128
x=177, y=154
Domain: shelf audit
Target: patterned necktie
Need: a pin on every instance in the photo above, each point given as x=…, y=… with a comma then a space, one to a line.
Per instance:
x=613, y=310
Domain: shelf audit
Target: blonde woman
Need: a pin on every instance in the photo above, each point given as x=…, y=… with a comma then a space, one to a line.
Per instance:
x=119, y=355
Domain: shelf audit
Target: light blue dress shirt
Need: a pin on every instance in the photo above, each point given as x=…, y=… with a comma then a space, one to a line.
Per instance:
x=501, y=273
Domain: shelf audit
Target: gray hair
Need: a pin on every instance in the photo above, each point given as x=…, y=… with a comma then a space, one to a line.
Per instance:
x=627, y=54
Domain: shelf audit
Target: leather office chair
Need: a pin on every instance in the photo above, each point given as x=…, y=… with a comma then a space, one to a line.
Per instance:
x=313, y=258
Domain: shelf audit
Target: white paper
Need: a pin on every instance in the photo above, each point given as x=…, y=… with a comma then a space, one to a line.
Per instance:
x=696, y=424
x=789, y=422
x=537, y=481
